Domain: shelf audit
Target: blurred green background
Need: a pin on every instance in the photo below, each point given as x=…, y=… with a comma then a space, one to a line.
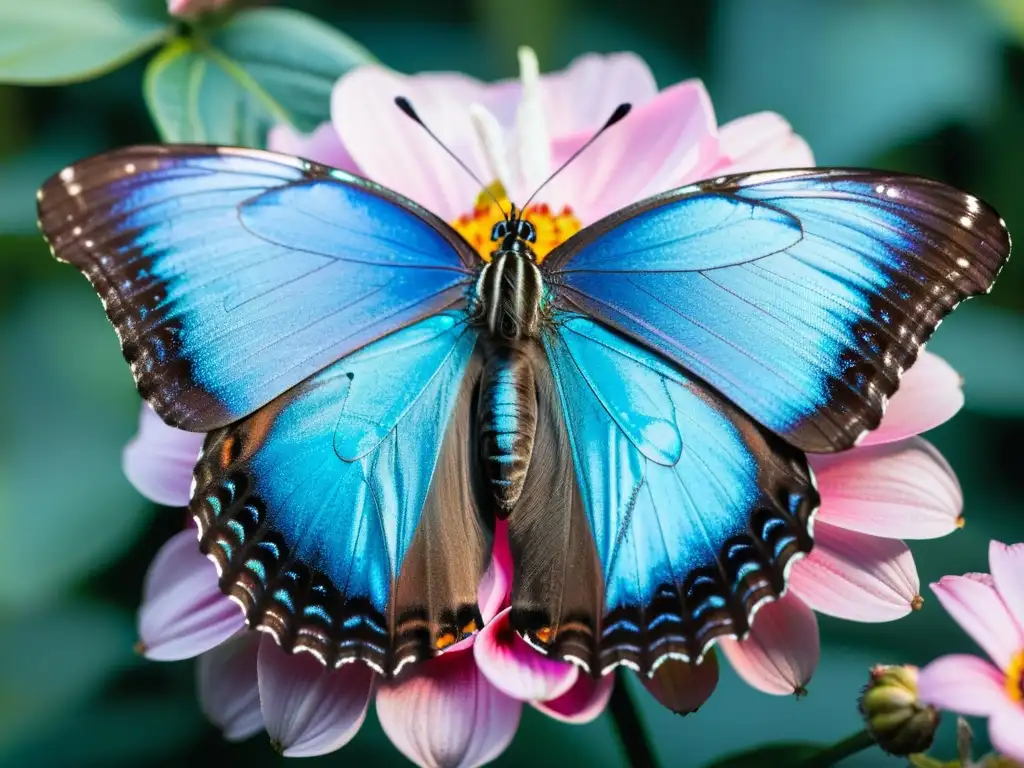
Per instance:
x=929, y=86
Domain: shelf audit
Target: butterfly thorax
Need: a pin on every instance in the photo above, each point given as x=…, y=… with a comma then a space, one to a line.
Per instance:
x=508, y=292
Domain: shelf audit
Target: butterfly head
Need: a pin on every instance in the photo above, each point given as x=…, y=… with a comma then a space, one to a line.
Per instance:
x=514, y=235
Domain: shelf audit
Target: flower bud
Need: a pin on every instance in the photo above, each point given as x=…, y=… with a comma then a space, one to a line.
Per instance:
x=896, y=720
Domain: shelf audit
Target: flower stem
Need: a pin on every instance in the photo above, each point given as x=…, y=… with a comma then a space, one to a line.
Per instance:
x=627, y=723
x=841, y=750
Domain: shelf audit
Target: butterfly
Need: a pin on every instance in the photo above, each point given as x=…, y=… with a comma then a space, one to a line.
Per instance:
x=637, y=407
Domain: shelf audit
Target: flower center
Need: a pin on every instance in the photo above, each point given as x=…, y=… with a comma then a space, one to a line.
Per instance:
x=552, y=228
x=1015, y=677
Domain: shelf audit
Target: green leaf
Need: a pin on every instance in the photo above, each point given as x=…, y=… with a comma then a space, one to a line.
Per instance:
x=63, y=41
x=775, y=754
x=264, y=67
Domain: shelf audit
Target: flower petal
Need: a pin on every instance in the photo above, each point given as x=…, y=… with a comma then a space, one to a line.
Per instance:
x=781, y=653
x=580, y=98
x=681, y=686
x=183, y=611
x=659, y=143
x=496, y=583
x=582, y=703
x=975, y=604
x=962, y=683
x=761, y=142
x=515, y=668
x=447, y=714
x=308, y=709
x=229, y=692
x=904, y=489
x=392, y=150
x=1007, y=564
x=159, y=460
x=857, y=577
x=1006, y=730
x=321, y=146
x=930, y=393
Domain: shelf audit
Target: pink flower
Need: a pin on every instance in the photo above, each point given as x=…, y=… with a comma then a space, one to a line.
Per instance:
x=991, y=609
x=516, y=132
x=192, y=8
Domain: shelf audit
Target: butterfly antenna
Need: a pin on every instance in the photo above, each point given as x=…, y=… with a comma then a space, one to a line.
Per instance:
x=620, y=112
x=406, y=106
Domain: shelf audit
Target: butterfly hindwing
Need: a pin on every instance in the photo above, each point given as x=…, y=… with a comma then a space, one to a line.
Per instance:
x=799, y=295
x=234, y=274
x=690, y=511
x=342, y=514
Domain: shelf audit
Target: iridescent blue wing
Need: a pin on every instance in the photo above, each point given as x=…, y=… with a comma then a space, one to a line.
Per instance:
x=341, y=515
x=231, y=275
x=656, y=516
x=799, y=295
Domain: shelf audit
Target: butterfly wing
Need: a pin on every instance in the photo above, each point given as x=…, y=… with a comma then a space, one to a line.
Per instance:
x=341, y=515
x=799, y=295
x=231, y=275
x=656, y=516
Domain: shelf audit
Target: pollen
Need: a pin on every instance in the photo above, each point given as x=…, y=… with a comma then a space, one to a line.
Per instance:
x=1015, y=677
x=553, y=228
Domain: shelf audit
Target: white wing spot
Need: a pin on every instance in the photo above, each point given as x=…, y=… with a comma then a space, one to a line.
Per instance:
x=880, y=189
x=76, y=231
x=129, y=168
x=966, y=222
x=74, y=189
x=972, y=204
x=892, y=192
x=963, y=263
x=67, y=175
x=88, y=243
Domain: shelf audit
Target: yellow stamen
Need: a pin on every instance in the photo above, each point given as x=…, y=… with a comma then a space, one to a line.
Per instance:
x=552, y=228
x=1015, y=677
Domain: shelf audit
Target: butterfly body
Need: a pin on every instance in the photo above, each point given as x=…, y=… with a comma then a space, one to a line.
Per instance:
x=637, y=406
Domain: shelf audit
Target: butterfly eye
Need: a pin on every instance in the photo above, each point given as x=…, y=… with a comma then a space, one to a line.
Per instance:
x=526, y=231
x=498, y=231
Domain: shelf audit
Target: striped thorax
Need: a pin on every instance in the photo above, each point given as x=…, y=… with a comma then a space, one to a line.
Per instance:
x=510, y=286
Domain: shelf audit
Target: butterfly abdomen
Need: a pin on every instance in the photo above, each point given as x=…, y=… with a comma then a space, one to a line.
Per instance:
x=508, y=295
x=507, y=418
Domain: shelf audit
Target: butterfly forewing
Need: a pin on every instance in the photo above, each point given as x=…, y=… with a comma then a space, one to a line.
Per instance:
x=233, y=274
x=801, y=296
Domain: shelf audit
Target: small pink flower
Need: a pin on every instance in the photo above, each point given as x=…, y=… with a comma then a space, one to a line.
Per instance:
x=991, y=609
x=192, y=8
x=463, y=707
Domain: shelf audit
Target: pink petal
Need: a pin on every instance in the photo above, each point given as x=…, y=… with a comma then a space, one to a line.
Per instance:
x=515, y=668
x=1007, y=564
x=183, y=611
x=857, y=577
x=649, y=151
x=392, y=150
x=229, y=693
x=975, y=605
x=903, y=489
x=962, y=683
x=159, y=460
x=580, y=98
x=930, y=393
x=191, y=8
x=760, y=142
x=781, y=653
x=582, y=703
x=308, y=709
x=321, y=146
x=683, y=687
x=496, y=583
x=1006, y=730
x=446, y=713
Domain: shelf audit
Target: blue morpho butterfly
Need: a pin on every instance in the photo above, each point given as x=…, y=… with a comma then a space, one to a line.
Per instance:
x=637, y=406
